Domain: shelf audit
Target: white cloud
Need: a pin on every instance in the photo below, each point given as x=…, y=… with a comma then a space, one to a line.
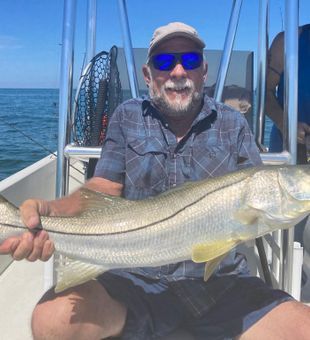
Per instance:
x=9, y=42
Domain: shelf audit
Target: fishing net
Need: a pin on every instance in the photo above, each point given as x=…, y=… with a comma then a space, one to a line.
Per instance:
x=98, y=94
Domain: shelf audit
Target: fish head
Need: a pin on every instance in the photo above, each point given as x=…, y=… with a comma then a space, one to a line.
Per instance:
x=276, y=197
x=294, y=182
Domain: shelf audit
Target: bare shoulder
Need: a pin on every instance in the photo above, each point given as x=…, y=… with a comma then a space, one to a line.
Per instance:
x=276, y=56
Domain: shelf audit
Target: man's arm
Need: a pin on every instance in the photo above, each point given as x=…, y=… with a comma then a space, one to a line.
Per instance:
x=38, y=246
x=274, y=70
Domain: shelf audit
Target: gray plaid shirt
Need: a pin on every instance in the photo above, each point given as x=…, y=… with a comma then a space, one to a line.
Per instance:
x=142, y=153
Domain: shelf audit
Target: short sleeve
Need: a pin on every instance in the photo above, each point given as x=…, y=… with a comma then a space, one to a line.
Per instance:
x=111, y=164
x=248, y=153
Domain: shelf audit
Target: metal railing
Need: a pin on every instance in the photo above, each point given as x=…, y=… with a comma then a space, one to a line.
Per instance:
x=227, y=49
x=286, y=237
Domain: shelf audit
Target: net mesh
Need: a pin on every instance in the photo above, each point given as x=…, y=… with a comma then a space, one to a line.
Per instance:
x=98, y=94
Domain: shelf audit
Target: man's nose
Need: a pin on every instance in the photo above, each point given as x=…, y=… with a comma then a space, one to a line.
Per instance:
x=178, y=71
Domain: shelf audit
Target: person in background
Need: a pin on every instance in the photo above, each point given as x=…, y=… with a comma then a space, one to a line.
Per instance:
x=153, y=144
x=275, y=92
x=274, y=103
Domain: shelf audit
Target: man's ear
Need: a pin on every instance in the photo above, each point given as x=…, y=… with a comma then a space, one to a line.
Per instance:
x=146, y=74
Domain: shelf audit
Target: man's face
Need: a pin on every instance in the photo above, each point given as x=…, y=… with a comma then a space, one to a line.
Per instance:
x=176, y=92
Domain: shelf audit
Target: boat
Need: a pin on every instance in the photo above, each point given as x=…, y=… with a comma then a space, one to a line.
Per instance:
x=22, y=283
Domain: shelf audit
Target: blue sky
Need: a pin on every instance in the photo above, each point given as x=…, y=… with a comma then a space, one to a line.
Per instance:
x=30, y=31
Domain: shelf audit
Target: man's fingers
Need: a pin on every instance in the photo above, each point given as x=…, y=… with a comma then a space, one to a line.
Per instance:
x=48, y=250
x=40, y=238
x=29, y=212
x=306, y=128
x=8, y=246
x=32, y=247
x=25, y=247
x=301, y=132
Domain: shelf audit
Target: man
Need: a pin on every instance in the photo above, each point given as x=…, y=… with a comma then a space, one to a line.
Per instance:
x=152, y=145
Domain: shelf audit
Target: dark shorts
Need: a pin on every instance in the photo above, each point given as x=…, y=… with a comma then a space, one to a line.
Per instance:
x=155, y=307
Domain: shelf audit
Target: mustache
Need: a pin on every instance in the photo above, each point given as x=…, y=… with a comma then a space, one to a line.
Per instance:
x=179, y=85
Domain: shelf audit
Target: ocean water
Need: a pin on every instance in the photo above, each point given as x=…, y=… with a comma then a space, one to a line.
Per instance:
x=28, y=126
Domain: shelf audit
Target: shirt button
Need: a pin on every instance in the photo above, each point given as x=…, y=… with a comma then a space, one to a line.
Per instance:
x=174, y=184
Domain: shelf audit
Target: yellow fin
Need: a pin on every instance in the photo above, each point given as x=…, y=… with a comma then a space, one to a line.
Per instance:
x=71, y=273
x=246, y=215
x=212, y=265
x=209, y=251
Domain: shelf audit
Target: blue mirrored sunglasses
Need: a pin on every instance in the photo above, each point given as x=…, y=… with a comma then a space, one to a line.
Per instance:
x=167, y=61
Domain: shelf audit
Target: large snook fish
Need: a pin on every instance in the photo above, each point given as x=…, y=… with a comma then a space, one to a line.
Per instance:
x=200, y=220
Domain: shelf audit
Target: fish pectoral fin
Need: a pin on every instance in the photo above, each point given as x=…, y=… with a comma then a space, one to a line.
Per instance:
x=212, y=265
x=71, y=273
x=205, y=252
x=247, y=215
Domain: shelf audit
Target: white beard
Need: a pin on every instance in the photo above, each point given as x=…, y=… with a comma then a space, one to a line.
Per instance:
x=180, y=106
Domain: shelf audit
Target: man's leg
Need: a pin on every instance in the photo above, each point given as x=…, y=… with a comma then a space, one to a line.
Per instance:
x=82, y=312
x=289, y=320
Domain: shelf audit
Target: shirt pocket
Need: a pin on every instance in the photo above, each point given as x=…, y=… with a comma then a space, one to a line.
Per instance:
x=146, y=165
x=210, y=160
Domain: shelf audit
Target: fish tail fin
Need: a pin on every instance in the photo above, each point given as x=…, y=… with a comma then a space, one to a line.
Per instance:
x=10, y=222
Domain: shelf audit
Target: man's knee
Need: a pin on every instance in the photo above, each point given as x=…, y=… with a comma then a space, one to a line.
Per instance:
x=51, y=316
x=86, y=309
x=289, y=320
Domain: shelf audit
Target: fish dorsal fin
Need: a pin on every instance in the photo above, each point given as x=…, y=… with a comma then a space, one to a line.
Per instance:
x=71, y=273
x=95, y=200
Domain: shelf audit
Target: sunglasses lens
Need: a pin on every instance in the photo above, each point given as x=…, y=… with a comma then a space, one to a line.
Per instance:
x=167, y=61
x=164, y=62
x=191, y=60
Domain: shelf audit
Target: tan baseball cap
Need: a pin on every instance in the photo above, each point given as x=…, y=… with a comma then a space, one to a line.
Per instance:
x=174, y=29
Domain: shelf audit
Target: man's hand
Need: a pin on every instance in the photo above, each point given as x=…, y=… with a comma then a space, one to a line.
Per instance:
x=31, y=246
x=302, y=130
x=36, y=245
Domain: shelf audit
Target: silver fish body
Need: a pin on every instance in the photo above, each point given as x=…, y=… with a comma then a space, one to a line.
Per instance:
x=200, y=220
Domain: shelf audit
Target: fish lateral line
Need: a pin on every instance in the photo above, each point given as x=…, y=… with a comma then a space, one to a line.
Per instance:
x=142, y=227
x=147, y=225
x=14, y=226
